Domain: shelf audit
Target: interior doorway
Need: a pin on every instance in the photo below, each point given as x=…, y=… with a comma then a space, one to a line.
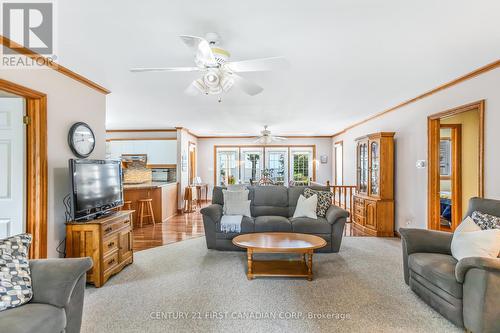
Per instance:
x=35, y=159
x=12, y=165
x=192, y=163
x=456, y=149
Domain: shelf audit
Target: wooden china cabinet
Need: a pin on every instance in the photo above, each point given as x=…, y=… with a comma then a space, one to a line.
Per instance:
x=374, y=200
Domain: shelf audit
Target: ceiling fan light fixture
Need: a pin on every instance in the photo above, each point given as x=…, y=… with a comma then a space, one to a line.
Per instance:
x=211, y=79
x=226, y=82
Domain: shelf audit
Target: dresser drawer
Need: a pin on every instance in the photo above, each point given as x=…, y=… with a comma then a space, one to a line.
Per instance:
x=359, y=210
x=109, y=262
x=359, y=201
x=112, y=226
x=110, y=244
x=359, y=219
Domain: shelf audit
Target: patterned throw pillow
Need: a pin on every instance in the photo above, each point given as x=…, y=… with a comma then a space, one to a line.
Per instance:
x=15, y=279
x=324, y=200
x=486, y=221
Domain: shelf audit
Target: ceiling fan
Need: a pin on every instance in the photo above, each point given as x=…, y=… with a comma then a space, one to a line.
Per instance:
x=218, y=74
x=266, y=137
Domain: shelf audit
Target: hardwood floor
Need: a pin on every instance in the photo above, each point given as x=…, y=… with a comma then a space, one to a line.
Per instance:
x=175, y=229
x=182, y=227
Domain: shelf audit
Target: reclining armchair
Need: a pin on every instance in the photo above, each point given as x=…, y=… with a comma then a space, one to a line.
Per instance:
x=466, y=292
x=57, y=303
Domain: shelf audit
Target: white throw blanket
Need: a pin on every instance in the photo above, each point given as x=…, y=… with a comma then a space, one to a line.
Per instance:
x=231, y=223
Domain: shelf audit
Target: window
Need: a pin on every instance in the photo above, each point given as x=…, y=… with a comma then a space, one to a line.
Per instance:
x=302, y=166
x=277, y=165
x=240, y=164
x=339, y=163
x=251, y=164
x=227, y=166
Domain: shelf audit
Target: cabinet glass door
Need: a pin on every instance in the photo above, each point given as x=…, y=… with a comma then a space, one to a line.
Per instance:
x=363, y=167
x=374, y=168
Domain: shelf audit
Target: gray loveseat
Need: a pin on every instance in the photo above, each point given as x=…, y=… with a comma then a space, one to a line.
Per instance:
x=57, y=303
x=272, y=208
x=466, y=292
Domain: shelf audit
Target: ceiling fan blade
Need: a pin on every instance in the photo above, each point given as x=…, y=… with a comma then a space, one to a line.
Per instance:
x=278, y=138
x=247, y=86
x=165, y=69
x=257, y=65
x=202, y=50
x=194, y=89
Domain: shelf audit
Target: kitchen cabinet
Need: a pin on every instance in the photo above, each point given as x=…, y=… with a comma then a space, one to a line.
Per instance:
x=158, y=151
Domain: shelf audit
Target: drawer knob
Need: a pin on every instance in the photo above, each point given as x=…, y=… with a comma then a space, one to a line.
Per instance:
x=108, y=229
x=111, y=244
x=111, y=261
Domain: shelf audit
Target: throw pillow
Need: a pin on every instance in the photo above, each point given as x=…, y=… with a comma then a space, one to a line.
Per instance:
x=324, y=200
x=15, y=279
x=306, y=207
x=486, y=221
x=470, y=241
x=238, y=208
x=233, y=196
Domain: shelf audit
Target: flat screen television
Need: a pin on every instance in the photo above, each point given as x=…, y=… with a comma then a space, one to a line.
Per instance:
x=96, y=187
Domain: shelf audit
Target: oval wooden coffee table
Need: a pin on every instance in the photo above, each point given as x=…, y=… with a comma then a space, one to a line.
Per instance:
x=279, y=242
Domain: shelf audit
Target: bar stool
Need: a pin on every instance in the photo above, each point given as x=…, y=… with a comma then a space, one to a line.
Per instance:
x=127, y=205
x=146, y=204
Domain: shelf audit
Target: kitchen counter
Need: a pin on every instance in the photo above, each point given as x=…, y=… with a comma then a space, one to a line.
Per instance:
x=147, y=185
x=163, y=194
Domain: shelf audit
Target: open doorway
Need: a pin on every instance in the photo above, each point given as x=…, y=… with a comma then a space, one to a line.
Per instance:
x=456, y=149
x=192, y=163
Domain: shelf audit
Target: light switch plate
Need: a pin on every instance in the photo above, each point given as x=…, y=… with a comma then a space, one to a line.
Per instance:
x=421, y=164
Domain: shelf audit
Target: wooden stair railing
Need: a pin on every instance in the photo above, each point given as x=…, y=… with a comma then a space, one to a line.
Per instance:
x=343, y=197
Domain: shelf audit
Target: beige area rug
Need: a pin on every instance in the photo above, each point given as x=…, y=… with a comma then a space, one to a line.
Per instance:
x=184, y=287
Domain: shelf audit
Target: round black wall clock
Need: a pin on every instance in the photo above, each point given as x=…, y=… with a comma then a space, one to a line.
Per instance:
x=81, y=140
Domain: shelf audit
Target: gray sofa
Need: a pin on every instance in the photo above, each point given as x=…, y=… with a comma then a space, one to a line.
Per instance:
x=57, y=303
x=466, y=292
x=272, y=208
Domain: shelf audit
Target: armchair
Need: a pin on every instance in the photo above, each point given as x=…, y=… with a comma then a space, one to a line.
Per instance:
x=57, y=303
x=466, y=292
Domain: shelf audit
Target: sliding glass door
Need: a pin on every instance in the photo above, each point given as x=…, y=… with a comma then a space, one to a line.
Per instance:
x=301, y=168
x=227, y=169
x=280, y=164
x=277, y=165
x=252, y=164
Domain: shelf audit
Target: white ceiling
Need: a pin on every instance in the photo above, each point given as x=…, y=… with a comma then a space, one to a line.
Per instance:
x=349, y=58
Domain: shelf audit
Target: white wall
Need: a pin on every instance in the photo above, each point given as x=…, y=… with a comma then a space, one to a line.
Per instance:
x=206, y=155
x=410, y=125
x=68, y=101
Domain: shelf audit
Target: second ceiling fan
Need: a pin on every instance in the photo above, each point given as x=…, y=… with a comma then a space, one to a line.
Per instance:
x=218, y=74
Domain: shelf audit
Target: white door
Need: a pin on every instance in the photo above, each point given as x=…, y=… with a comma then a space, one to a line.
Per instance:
x=12, y=166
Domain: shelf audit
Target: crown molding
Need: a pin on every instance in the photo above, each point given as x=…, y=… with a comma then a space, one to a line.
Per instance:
x=468, y=76
x=51, y=64
x=141, y=130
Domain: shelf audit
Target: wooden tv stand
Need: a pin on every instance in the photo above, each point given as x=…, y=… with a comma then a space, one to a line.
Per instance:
x=108, y=241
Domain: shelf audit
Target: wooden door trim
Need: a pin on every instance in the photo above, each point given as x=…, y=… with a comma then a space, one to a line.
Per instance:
x=341, y=143
x=36, y=165
x=433, y=137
